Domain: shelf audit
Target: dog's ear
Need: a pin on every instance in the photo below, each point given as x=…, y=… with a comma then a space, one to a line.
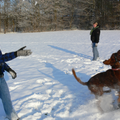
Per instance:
x=118, y=51
x=107, y=62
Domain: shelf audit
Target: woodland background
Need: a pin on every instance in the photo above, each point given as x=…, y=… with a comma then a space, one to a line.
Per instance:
x=54, y=15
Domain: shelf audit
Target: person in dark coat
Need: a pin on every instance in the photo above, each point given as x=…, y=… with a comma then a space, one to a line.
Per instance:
x=95, y=34
x=4, y=67
x=4, y=90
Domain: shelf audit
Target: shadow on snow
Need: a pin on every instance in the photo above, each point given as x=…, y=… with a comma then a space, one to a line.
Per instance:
x=71, y=52
x=80, y=94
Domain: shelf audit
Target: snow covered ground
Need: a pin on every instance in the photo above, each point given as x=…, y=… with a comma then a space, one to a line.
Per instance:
x=45, y=88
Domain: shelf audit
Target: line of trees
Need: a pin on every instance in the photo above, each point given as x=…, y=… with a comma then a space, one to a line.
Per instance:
x=51, y=15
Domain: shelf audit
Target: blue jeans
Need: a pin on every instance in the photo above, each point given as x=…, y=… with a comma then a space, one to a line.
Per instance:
x=95, y=52
x=6, y=100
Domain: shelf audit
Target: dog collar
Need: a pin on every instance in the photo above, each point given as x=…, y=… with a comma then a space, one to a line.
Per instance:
x=115, y=68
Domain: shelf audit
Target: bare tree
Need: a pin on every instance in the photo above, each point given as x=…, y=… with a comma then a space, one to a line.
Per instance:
x=5, y=8
x=47, y=15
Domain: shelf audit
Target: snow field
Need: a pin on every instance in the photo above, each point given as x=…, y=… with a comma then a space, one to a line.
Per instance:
x=45, y=88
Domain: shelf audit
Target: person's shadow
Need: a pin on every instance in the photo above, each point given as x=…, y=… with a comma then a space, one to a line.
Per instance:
x=71, y=52
x=72, y=91
x=68, y=80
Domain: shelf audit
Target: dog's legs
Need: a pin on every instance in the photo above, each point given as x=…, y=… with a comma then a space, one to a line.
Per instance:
x=97, y=91
x=100, y=93
x=98, y=105
x=118, y=100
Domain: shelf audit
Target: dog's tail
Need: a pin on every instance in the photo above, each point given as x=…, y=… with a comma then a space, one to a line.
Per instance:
x=78, y=79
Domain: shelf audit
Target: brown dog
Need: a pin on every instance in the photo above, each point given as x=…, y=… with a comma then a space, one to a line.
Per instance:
x=110, y=78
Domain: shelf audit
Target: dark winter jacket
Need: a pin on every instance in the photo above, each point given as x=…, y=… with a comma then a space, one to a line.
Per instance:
x=4, y=67
x=4, y=58
x=95, y=33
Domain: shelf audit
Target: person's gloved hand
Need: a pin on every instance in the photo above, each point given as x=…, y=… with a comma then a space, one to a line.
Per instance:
x=12, y=73
x=96, y=44
x=22, y=52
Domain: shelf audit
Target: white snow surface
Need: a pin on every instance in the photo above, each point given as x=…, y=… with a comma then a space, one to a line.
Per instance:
x=45, y=88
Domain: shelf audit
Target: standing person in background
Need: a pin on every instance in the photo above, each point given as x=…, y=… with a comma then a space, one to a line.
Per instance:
x=95, y=33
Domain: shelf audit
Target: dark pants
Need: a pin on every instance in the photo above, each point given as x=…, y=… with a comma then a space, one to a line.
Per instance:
x=95, y=52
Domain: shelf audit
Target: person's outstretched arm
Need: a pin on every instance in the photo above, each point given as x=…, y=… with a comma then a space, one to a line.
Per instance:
x=12, y=55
